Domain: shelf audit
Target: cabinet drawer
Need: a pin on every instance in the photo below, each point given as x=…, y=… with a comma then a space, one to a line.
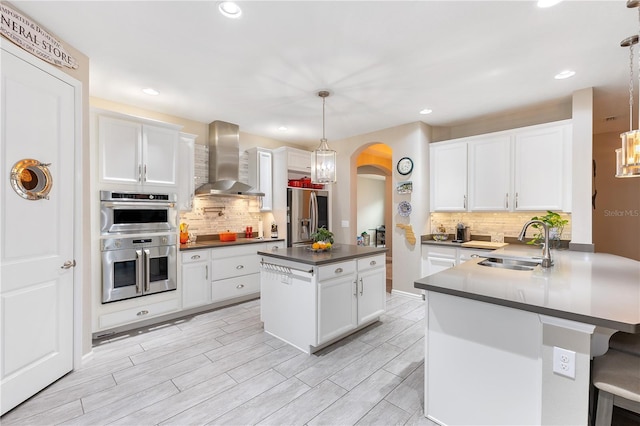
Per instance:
x=438, y=251
x=234, y=251
x=235, y=266
x=466, y=254
x=274, y=245
x=195, y=256
x=138, y=313
x=336, y=270
x=371, y=262
x=235, y=287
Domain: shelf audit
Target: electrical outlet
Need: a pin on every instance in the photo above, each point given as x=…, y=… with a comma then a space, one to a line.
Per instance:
x=564, y=362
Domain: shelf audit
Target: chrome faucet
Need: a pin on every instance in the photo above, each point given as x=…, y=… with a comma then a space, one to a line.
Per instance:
x=546, y=250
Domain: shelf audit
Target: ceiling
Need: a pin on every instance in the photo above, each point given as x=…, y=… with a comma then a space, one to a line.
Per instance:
x=382, y=61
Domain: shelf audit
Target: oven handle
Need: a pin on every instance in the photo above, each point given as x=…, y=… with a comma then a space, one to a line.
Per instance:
x=147, y=280
x=157, y=204
x=140, y=271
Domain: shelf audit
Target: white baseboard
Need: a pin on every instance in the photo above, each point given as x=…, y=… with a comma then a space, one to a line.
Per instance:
x=406, y=294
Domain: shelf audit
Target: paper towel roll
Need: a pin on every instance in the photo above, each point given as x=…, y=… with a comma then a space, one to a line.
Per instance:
x=260, y=230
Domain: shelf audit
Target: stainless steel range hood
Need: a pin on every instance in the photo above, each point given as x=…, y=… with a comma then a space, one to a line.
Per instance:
x=224, y=163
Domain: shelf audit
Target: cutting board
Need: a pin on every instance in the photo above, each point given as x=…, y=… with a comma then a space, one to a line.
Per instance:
x=483, y=244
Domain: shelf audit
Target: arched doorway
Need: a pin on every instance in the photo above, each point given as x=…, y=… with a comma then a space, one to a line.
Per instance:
x=373, y=189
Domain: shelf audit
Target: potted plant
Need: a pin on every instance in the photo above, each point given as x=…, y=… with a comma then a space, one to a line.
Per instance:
x=556, y=224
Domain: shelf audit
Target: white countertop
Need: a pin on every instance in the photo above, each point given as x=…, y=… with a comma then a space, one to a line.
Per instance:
x=594, y=288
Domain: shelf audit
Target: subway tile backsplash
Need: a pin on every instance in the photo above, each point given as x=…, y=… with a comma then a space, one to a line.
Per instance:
x=506, y=223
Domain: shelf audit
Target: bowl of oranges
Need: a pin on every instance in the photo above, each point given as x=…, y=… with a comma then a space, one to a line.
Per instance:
x=322, y=240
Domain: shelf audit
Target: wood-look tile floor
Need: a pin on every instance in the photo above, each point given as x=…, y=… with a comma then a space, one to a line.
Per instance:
x=221, y=368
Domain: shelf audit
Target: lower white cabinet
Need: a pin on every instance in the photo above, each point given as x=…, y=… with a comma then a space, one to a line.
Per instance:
x=196, y=278
x=137, y=313
x=437, y=258
x=350, y=294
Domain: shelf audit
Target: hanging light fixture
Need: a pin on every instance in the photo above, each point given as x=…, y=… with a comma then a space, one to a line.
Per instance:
x=323, y=159
x=628, y=155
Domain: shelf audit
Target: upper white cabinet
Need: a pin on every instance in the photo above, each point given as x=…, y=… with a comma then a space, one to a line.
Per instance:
x=299, y=160
x=448, y=176
x=136, y=151
x=517, y=170
x=490, y=174
x=260, y=175
x=542, y=172
x=186, y=172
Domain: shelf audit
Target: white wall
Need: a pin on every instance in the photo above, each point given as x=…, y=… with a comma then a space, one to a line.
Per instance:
x=409, y=140
x=370, y=204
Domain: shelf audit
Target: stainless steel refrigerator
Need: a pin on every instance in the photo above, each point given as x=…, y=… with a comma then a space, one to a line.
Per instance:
x=307, y=211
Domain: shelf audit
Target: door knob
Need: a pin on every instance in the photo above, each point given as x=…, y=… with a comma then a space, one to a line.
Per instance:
x=68, y=264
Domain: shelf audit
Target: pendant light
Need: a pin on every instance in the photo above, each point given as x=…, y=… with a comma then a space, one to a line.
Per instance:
x=323, y=159
x=628, y=155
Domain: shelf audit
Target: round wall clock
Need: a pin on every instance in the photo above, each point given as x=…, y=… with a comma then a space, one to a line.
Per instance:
x=405, y=166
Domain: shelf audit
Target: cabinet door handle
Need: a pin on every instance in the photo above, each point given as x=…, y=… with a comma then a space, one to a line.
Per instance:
x=516, y=200
x=464, y=202
x=206, y=272
x=507, y=200
x=239, y=286
x=372, y=263
x=361, y=287
x=240, y=267
x=338, y=270
x=139, y=172
x=143, y=312
x=355, y=288
x=195, y=256
x=145, y=172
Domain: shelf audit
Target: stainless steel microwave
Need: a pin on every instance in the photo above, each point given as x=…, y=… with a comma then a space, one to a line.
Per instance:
x=135, y=212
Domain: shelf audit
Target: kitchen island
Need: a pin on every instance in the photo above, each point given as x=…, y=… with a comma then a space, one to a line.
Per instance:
x=311, y=299
x=514, y=347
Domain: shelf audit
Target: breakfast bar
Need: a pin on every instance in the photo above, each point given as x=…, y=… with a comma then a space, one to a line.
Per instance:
x=513, y=346
x=312, y=298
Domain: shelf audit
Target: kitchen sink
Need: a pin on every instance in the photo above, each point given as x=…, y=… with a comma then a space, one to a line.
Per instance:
x=514, y=264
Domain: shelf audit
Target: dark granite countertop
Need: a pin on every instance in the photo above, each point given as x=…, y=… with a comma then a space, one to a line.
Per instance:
x=339, y=253
x=593, y=288
x=214, y=243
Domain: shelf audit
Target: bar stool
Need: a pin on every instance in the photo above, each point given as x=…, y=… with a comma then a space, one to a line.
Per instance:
x=625, y=342
x=616, y=374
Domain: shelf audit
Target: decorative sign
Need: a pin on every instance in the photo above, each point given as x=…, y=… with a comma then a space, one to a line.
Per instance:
x=404, y=187
x=34, y=39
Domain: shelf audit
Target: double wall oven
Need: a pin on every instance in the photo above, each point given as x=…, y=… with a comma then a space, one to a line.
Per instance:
x=138, y=244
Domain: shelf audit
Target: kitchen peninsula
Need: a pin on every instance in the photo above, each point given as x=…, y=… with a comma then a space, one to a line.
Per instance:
x=311, y=299
x=493, y=334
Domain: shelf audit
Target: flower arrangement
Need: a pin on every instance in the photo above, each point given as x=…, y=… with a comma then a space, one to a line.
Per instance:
x=322, y=240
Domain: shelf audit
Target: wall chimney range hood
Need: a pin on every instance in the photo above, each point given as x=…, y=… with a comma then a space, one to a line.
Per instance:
x=224, y=163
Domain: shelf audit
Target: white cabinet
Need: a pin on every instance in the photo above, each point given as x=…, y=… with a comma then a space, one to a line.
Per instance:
x=260, y=175
x=524, y=169
x=299, y=161
x=350, y=294
x=235, y=272
x=448, y=176
x=542, y=169
x=372, y=288
x=196, y=278
x=337, y=300
x=490, y=174
x=437, y=258
x=186, y=172
x=135, y=151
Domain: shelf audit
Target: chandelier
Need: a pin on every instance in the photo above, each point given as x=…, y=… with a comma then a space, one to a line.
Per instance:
x=323, y=159
x=628, y=155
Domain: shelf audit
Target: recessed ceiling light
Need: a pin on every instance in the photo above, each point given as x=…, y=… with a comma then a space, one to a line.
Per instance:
x=230, y=9
x=426, y=111
x=564, y=74
x=282, y=129
x=548, y=3
x=150, y=91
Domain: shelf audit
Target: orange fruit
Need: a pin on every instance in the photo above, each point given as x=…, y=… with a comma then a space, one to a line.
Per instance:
x=315, y=246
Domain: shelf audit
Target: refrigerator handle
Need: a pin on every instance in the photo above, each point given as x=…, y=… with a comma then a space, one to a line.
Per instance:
x=313, y=212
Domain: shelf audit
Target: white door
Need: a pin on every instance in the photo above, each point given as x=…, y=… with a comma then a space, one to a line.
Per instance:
x=36, y=293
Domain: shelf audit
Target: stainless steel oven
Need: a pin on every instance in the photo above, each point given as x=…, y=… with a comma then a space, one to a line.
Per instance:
x=138, y=266
x=135, y=212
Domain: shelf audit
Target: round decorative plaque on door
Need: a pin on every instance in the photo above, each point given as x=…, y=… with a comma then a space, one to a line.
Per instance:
x=31, y=179
x=405, y=165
